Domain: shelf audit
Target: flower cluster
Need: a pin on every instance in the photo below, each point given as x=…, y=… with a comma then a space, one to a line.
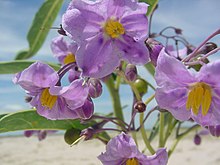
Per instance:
x=108, y=38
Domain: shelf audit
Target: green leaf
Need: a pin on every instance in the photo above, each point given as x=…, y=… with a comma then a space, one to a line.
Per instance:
x=21, y=54
x=2, y=115
x=72, y=135
x=12, y=67
x=41, y=25
x=152, y=4
x=150, y=68
x=30, y=120
x=104, y=136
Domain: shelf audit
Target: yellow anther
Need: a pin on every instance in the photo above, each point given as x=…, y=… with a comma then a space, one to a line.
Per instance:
x=114, y=28
x=200, y=95
x=69, y=59
x=47, y=100
x=206, y=102
x=132, y=161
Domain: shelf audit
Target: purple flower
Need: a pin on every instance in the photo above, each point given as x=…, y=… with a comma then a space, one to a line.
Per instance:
x=122, y=150
x=63, y=51
x=107, y=31
x=188, y=95
x=51, y=101
x=66, y=54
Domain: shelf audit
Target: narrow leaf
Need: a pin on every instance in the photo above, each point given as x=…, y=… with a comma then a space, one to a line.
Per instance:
x=39, y=30
x=30, y=120
x=12, y=67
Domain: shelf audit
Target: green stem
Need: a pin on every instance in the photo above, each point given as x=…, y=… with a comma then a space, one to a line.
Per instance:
x=161, y=130
x=144, y=135
x=171, y=125
x=115, y=98
x=150, y=85
x=118, y=82
x=149, y=99
x=180, y=137
x=134, y=136
x=134, y=89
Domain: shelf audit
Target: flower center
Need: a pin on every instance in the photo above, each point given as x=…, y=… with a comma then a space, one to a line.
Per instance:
x=114, y=29
x=200, y=95
x=47, y=100
x=132, y=161
x=69, y=59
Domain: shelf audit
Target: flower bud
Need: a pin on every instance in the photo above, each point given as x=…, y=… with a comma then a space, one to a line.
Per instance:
x=131, y=72
x=28, y=99
x=141, y=86
x=208, y=47
x=95, y=88
x=28, y=133
x=197, y=139
x=61, y=31
x=42, y=135
x=178, y=31
x=71, y=135
x=214, y=130
x=88, y=133
x=140, y=106
x=86, y=111
x=154, y=48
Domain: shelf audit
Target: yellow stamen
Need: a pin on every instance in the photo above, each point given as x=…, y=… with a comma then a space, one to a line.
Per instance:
x=207, y=102
x=199, y=96
x=132, y=161
x=47, y=100
x=114, y=28
x=69, y=59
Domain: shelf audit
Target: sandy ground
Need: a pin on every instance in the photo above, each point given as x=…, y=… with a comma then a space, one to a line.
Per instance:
x=54, y=151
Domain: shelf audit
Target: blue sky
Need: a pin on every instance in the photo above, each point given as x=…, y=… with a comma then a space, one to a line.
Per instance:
x=197, y=18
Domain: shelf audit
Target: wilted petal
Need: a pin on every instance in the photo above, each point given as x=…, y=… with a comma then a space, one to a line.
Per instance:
x=97, y=57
